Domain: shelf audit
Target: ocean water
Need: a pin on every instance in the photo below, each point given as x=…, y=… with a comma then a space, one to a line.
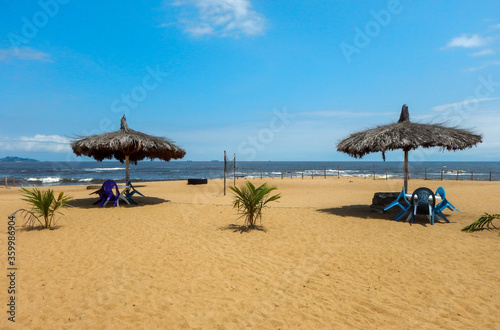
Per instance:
x=92, y=172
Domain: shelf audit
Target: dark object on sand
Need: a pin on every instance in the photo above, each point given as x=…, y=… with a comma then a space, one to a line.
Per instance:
x=197, y=181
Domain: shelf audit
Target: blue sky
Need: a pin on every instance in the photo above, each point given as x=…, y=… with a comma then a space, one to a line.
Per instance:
x=265, y=80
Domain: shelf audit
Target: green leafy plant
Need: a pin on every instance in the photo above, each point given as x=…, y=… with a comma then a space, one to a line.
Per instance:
x=480, y=224
x=250, y=201
x=44, y=205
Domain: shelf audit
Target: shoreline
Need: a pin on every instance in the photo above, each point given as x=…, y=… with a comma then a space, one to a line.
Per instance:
x=80, y=173
x=378, y=177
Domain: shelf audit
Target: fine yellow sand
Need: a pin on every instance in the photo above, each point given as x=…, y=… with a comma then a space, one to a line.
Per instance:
x=325, y=261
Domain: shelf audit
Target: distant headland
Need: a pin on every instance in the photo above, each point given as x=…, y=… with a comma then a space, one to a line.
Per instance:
x=17, y=159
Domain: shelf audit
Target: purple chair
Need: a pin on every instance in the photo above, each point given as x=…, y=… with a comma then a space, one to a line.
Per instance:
x=107, y=193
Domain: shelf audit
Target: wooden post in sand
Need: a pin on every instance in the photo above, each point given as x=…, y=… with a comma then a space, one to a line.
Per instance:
x=225, y=169
x=325, y=173
x=6, y=182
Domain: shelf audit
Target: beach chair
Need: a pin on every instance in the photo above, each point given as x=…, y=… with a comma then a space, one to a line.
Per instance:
x=405, y=206
x=423, y=197
x=130, y=191
x=443, y=204
x=107, y=193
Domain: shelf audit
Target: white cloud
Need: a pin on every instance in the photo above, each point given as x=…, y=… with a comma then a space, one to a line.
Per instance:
x=200, y=30
x=483, y=52
x=223, y=18
x=24, y=53
x=482, y=66
x=495, y=26
x=483, y=46
x=346, y=114
x=463, y=103
x=466, y=41
x=39, y=142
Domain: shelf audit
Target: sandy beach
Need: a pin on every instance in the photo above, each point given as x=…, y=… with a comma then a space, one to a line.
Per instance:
x=177, y=260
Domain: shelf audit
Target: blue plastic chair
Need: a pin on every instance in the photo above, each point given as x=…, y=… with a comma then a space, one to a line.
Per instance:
x=396, y=202
x=107, y=193
x=423, y=197
x=130, y=191
x=443, y=204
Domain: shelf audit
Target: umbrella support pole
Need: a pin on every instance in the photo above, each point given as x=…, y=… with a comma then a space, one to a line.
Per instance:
x=406, y=174
x=127, y=169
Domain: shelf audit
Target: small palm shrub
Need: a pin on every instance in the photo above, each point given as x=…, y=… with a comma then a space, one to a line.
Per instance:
x=485, y=220
x=250, y=201
x=44, y=205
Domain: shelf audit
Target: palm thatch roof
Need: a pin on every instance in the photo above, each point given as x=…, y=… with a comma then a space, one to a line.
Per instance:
x=126, y=142
x=407, y=136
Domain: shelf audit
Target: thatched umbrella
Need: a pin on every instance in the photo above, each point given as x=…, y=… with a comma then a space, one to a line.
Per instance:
x=126, y=145
x=407, y=136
